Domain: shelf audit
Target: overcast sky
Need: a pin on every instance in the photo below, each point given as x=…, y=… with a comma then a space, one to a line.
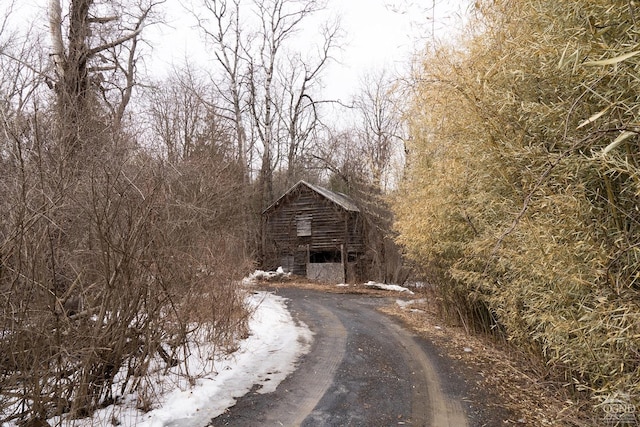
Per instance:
x=385, y=34
x=378, y=34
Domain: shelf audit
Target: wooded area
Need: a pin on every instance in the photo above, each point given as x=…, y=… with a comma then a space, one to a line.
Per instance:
x=521, y=196
x=130, y=204
x=126, y=197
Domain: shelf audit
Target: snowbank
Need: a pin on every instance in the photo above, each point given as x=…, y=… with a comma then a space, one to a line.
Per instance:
x=265, y=358
x=265, y=275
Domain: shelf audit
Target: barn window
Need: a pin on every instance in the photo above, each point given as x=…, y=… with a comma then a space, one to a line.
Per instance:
x=303, y=225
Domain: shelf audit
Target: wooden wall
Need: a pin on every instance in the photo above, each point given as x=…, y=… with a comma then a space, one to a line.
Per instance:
x=333, y=228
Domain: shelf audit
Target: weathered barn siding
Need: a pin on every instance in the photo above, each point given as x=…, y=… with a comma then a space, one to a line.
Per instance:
x=312, y=224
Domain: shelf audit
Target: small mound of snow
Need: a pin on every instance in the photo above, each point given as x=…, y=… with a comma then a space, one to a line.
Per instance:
x=406, y=303
x=419, y=285
x=385, y=287
x=261, y=275
x=402, y=303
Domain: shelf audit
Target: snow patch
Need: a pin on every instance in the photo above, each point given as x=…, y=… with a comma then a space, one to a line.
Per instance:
x=265, y=358
x=419, y=285
x=406, y=304
x=259, y=275
x=386, y=287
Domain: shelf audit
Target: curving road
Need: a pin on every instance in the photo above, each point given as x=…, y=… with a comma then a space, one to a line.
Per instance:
x=363, y=369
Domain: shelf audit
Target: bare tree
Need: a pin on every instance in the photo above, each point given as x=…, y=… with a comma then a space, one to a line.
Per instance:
x=268, y=86
x=181, y=113
x=102, y=248
x=370, y=152
x=95, y=64
x=280, y=20
x=380, y=129
x=299, y=112
x=337, y=153
x=221, y=27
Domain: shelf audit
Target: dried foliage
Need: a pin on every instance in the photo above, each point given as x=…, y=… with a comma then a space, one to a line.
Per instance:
x=521, y=198
x=105, y=270
x=110, y=258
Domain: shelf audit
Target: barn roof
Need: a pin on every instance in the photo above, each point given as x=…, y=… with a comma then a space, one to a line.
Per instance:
x=339, y=199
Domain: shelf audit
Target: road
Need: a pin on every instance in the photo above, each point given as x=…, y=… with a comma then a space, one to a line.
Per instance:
x=364, y=369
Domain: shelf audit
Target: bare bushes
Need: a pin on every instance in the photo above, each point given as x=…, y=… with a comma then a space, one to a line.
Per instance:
x=111, y=260
x=207, y=229
x=105, y=268
x=382, y=260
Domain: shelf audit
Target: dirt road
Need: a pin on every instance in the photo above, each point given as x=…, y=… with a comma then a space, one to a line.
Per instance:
x=364, y=369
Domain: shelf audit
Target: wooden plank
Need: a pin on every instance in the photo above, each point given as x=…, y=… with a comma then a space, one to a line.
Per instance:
x=304, y=219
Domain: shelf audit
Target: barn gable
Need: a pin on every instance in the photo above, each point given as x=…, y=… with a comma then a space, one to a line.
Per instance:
x=313, y=232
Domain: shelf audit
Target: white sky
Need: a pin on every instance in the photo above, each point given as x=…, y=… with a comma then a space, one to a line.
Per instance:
x=378, y=34
x=382, y=34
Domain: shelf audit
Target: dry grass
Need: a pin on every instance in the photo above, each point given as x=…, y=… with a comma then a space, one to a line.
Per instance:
x=522, y=184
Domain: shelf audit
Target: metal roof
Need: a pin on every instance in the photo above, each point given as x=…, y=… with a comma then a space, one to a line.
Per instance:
x=339, y=199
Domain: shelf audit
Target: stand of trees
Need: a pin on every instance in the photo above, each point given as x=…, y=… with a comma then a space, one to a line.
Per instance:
x=125, y=200
x=268, y=90
x=105, y=249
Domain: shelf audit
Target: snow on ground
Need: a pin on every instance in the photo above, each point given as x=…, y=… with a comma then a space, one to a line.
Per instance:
x=406, y=304
x=265, y=358
x=386, y=287
x=265, y=275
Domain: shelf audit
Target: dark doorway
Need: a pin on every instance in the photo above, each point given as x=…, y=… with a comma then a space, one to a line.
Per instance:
x=321, y=257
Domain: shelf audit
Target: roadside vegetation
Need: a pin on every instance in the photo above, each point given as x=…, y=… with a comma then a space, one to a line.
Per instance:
x=130, y=203
x=112, y=257
x=520, y=198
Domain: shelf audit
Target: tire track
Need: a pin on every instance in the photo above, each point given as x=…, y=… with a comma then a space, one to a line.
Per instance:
x=313, y=379
x=363, y=369
x=429, y=404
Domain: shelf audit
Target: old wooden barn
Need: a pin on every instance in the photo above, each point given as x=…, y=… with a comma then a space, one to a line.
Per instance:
x=314, y=232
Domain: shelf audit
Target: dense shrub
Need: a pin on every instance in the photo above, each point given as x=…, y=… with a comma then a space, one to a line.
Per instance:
x=521, y=194
x=106, y=267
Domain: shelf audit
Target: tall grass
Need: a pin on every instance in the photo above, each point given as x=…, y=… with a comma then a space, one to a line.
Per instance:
x=523, y=183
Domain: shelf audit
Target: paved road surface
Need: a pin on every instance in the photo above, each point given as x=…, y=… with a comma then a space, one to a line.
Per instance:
x=364, y=369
